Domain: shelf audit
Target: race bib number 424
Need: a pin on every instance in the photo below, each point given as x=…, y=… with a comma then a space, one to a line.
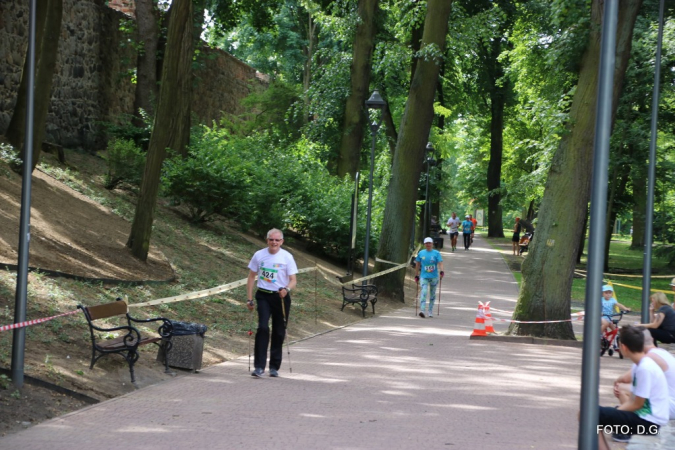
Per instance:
x=269, y=275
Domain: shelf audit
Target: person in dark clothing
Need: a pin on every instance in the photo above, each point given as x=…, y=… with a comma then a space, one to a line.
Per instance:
x=516, y=236
x=662, y=319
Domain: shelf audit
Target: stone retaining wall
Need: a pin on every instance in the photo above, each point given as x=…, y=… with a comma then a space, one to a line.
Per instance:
x=92, y=83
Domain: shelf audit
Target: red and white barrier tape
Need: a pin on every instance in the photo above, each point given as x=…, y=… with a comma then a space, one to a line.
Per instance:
x=485, y=309
x=34, y=322
x=581, y=313
x=579, y=318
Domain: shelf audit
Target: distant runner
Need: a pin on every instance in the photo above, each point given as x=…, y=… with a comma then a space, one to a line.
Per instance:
x=453, y=225
x=466, y=231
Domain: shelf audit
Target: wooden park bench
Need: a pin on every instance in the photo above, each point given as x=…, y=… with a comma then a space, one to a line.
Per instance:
x=360, y=294
x=128, y=342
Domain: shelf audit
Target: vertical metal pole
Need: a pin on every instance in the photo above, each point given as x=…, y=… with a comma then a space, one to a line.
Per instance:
x=353, y=225
x=19, y=337
x=373, y=131
x=649, y=215
x=426, y=205
x=588, y=437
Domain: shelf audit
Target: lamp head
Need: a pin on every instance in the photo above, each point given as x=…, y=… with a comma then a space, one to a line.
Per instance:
x=375, y=101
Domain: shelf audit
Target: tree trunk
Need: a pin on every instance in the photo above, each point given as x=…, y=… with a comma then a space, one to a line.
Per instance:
x=549, y=267
x=173, y=111
x=410, y=151
x=307, y=69
x=618, y=183
x=582, y=241
x=147, y=21
x=353, y=126
x=47, y=33
x=639, y=179
x=494, y=173
x=390, y=130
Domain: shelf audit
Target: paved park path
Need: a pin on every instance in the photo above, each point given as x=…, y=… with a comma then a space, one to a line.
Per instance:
x=394, y=381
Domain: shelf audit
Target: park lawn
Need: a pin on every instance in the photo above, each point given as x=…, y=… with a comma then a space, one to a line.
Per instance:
x=621, y=257
x=627, y=296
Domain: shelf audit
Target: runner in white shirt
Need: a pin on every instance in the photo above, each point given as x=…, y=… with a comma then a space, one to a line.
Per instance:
x=273, y=271
x=453, y=224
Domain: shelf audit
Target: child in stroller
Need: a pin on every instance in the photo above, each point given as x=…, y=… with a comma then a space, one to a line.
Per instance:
x=525, y=242
x=526, y=239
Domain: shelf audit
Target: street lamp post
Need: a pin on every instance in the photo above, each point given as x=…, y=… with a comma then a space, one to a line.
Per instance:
x=429, y=159
x=374, y=102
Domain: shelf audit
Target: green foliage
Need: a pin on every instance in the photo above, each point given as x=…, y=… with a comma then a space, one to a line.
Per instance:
x=666, y=252
x=216, y=178
x=125, y=163
x=270, y=108
x=261, y=184
x=123, y=127
x=5, y=382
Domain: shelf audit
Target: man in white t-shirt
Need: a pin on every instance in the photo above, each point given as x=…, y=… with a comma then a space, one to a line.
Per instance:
x=664, y=359
x=453, y=225
x=647, y=408
x=273, y=271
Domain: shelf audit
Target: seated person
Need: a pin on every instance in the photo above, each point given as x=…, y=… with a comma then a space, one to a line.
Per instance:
x=647, y=408
x=609, y=306
x=665, y=360
x=662, y=319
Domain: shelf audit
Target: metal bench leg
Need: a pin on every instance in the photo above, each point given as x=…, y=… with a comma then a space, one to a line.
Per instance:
x=132, y=357
x=167, y=348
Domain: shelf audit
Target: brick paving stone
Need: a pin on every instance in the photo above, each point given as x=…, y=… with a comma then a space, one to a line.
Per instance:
x=394, y=381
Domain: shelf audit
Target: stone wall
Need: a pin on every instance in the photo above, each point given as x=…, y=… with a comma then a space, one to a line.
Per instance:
x=92, y=83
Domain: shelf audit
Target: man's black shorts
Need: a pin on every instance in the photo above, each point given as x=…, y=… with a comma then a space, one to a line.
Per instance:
x=455, y=234
x=629, y=422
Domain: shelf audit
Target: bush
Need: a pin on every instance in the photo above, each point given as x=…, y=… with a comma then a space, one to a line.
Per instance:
x=262, y=184
x=125, y=163
x=124, y=128
x=216, y=177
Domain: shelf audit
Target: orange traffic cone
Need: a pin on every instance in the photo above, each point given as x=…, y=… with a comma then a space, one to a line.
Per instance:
x=488, y=320
x=479, y=326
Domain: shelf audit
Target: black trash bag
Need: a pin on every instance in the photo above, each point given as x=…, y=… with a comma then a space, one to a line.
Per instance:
x=187, y=328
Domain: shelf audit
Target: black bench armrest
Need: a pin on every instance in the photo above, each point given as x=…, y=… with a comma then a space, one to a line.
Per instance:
x=164, y=329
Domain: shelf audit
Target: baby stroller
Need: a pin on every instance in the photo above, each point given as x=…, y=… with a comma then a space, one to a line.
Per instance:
x=524, y=242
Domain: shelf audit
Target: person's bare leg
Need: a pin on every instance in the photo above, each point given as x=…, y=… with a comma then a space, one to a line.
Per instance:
x=602, y=442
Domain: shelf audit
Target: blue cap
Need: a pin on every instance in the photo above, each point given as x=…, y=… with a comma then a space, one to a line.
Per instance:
x=607, y=287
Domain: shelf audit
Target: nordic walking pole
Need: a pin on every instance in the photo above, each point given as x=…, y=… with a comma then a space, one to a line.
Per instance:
x=288, y=346
x=417, y=290
x=440, y=290
x=250, y=333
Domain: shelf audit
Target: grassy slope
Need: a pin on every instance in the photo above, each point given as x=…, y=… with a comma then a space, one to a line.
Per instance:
x=202, y=256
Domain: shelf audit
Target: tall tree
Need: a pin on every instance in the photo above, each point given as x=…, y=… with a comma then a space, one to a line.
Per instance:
x=408, y=158
x=168, y=131
x=548, y=269
x=354, y=116
x=147, y=22
x=47, y=34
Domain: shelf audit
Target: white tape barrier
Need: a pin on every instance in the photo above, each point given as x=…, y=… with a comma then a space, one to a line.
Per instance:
x=204, y=293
